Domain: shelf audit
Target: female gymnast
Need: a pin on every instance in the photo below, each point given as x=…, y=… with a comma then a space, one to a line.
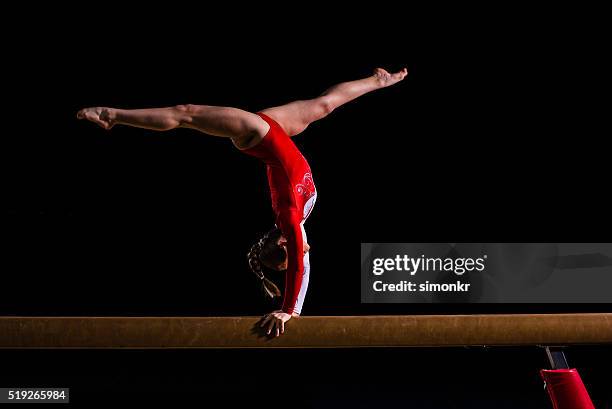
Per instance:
x=264, y=135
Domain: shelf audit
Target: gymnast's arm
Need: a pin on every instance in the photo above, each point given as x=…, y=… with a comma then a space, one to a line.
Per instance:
x=304, y=286
x=290, y=226
x=289, y=223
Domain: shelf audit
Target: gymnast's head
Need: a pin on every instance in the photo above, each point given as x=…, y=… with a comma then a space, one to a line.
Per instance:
x=269, y=253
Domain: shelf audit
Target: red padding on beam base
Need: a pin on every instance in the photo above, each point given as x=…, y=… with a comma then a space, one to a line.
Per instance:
x=566, y=389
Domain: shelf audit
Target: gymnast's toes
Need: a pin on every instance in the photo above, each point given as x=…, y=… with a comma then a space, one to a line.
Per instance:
x=386, y=79
x=97, y=115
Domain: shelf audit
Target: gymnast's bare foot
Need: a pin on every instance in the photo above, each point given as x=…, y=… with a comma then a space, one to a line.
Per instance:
x=98, y=115
x=385, y=79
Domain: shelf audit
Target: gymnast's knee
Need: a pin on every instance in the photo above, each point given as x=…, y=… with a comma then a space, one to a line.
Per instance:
x=184, y=113
x=189, y=109
x=325, y=105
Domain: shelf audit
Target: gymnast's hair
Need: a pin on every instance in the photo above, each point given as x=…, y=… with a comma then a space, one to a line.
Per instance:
x=267, y=249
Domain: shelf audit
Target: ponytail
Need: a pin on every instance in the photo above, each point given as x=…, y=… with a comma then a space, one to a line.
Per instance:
x=268, y=287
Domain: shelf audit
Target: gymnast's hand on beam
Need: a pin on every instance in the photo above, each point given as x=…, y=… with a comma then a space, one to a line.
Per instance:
x=275, y=322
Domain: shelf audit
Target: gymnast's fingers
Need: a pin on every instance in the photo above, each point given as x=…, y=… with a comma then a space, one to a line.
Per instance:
x=270, y=326
x=265, y=319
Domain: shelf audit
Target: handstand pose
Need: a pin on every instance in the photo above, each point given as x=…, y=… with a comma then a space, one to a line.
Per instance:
x=265, y=135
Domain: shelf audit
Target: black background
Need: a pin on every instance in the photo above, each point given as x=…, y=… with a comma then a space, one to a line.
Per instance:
x=494, y=136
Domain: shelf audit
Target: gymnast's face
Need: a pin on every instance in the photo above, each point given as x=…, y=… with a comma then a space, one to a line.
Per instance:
x=282, y=266
x=281, y=243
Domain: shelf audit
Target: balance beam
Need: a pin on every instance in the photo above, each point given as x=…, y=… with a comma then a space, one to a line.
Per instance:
x=306, y=332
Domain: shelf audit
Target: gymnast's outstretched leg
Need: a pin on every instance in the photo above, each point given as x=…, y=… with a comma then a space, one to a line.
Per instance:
x=295, y=116
x=241, y=126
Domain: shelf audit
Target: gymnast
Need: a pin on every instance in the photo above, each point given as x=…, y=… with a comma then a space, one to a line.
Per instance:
x=264, y=135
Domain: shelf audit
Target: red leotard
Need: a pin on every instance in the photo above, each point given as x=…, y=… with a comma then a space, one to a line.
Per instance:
x=293, y=194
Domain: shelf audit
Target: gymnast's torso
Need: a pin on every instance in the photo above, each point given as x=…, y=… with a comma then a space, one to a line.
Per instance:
x=289, y=175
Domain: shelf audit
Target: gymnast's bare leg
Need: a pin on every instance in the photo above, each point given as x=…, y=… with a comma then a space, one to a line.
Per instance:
x=236, y=124
x=295, y=116
x=244, y=128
